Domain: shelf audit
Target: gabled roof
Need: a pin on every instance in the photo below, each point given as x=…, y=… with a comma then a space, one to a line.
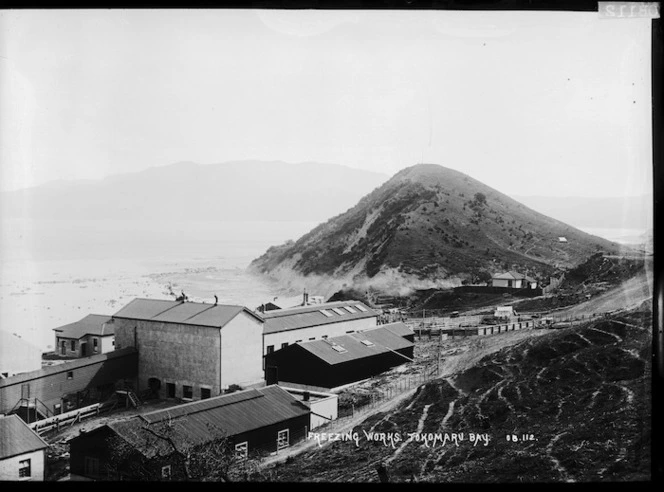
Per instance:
x=187, y=313
x=17, y=438
x=314, y=315
x=92, y=324
x=232, y=414
x=508, y=276
x=382, y=340
x=398, y=328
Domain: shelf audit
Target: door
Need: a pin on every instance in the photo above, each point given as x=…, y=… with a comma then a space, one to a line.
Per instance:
x=84, y=349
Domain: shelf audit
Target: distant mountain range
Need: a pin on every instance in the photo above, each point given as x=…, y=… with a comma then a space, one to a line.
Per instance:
x=629, y=212
x=235, y=191
x=428, y=226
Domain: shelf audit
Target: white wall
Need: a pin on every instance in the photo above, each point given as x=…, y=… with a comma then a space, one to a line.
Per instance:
x=9, y=467
x=107, y=344
x=330, y=329
x=241, y=349
x=327, y=407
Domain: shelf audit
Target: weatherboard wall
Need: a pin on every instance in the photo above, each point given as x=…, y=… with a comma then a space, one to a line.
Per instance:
x=295, y=364
x=9, y=467
x=52, y=384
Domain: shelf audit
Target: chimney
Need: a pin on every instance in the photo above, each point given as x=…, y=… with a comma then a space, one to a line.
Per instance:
x=305, y=396
x=216, y=299
x=305, y=298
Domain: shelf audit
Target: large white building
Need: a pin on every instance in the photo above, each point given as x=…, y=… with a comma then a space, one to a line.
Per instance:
x=191, y=350
x=313, y=322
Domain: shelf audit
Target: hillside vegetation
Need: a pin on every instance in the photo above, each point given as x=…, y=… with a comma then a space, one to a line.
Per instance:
x=572, y=405
x=431, y=223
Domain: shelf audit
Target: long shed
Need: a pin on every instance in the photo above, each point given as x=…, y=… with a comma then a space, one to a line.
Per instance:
x=341, y=360
x=255, y=421
x=61, y=387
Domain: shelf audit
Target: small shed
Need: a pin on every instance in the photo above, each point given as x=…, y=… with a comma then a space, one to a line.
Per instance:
x=22, y=451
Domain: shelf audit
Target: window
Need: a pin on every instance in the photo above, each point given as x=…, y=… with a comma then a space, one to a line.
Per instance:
x=298, y=341
x=338, y=311
x=324, y=337
x=170, y=390
x=241, y=450
x=63, y=347
x=166, y=472
x=73, y=344
x=70, y=374
x=24, y=469
x=187, y=392
x=113, y=342
x=270, y=349
x=351, y=331
x=90, y=466
x=284, y=345
x=95, y=344
x=205, y=393
x=361, y=308
x=282, y=439
x=350, y=309
x=312, y=338
x=326, y=313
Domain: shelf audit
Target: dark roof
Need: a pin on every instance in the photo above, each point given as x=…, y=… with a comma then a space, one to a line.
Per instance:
x=65, y=366
x=17, y=438
x=92, y=324
x=306, y=316
x=382, y=339
x=398, y=328
x=186, y=313
x=232, y=414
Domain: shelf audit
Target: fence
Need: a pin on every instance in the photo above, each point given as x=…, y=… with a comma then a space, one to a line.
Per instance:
x=382, y=395
x=69, y=418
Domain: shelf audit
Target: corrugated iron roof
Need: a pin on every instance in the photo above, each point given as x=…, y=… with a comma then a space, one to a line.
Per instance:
x=92, y=324
x=509, y=276
x=188, y=313
x=306, y=316
x=201, y=421
x=66, y=366
x=383, y=340
x=140, y=308
x=17, y=438
x=398, y=328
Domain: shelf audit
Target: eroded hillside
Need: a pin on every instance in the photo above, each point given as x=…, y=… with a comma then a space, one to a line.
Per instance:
x=577, y=401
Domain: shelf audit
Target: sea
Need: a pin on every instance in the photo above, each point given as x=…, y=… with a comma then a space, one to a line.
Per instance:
x=55, y=272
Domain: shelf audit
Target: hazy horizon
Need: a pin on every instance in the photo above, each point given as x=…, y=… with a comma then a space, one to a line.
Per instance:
x=552, y=103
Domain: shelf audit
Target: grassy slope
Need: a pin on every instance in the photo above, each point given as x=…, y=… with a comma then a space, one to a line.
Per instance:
x=427, y=221
x=583, y=393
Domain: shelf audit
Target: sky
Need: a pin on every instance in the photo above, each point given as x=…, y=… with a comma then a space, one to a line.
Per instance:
x=530, y=103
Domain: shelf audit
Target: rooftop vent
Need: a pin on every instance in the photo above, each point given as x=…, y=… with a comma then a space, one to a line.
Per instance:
x=366, y=342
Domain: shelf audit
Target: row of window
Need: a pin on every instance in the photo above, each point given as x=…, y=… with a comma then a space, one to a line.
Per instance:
x=343, y=310
x=187, y=391
x=72, y=345
x=242, y=449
